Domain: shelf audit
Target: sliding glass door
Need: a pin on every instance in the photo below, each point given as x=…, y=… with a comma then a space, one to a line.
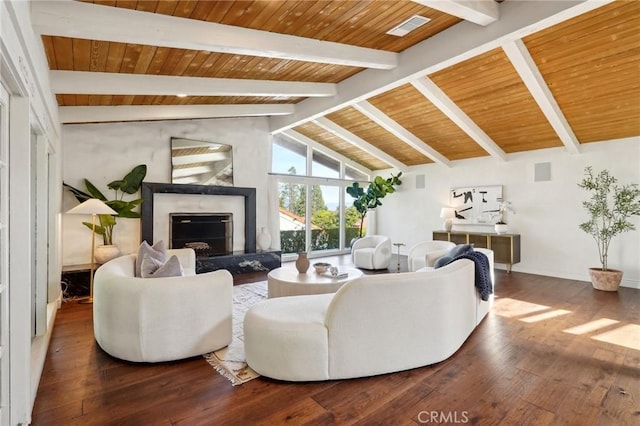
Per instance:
x=293, y=225
x=325, y=217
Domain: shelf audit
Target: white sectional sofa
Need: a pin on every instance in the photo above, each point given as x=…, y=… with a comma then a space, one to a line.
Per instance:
x=161, y=319
x=373, y=325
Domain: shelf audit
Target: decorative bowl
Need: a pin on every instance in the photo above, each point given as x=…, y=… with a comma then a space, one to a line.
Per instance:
x=321, y=267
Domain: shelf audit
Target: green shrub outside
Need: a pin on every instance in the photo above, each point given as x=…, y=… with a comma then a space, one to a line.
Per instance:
x=321, y=239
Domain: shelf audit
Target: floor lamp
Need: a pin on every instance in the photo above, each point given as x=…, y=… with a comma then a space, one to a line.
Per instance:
x=94, y=207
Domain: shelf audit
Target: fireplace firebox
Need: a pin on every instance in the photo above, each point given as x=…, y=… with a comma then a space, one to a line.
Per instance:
x=209, y=234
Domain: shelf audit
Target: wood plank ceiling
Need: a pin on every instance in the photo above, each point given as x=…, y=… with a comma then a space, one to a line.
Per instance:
x=573, y=82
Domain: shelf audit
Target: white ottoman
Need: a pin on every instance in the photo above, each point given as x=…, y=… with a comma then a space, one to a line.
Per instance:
x=285, y=329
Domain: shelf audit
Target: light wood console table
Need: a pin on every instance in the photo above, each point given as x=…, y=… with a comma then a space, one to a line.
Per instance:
x=506, y=247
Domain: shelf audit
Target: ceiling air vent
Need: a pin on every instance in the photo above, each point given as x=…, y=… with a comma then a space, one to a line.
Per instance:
x=407, y=26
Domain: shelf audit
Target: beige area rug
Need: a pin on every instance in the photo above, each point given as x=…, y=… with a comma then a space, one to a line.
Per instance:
x=230, y=361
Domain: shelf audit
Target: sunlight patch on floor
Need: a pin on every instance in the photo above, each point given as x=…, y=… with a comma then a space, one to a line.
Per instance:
x=545, y=315
x=506, y=307
x=590, y=326
x=627, y=336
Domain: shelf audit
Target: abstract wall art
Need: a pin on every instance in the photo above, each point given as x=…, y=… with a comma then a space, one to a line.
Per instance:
x=476, y=205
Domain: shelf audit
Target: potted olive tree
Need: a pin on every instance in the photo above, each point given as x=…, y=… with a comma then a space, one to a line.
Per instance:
x=369, y=199
x=609, y=208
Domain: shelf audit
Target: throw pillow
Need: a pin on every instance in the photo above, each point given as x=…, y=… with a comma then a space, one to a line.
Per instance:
x=152, y=268
x=432, y=256
x=444, y=260
x=460, y=249
x=158, y=251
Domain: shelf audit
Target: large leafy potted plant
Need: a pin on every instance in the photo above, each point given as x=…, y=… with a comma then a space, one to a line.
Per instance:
x=609, y=207
x=369, y=199
x=130, y=184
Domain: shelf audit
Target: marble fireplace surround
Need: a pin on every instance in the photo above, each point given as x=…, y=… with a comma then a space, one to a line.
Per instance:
x=150, y=189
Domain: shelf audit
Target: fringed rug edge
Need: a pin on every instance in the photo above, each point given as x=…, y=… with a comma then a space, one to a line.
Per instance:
x=236, y=376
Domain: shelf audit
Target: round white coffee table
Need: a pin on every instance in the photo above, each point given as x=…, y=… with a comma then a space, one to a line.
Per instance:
x=287, y=281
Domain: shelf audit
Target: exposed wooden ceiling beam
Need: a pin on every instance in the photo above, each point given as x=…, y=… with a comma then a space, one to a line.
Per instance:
x=481, y=12
x=191, y=171
x=356, y=140
x=101, y=83
x=178, y=144
x=400, y=132
x=97, y=22
x=437, y=97
x=299, y=137
x=525, y=66
x=186, y=180
x=102, y=114
x=449, y=47
x=181, y=160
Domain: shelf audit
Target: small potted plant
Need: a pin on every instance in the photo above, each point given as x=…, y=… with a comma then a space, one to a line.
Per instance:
x=501, y=226
x=609, y=208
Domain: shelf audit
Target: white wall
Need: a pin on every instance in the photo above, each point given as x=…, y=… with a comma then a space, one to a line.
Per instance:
x=547, y=213
x=106, y=152
x=32, y=108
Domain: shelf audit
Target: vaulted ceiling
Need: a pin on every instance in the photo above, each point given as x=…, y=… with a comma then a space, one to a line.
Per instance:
x=480, y=78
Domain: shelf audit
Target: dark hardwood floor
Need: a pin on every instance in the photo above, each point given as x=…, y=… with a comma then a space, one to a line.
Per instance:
x=552, y=351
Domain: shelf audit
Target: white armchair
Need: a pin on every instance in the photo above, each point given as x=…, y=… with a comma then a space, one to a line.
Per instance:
x=426, y=253
x=371, y=252
x=161, y=319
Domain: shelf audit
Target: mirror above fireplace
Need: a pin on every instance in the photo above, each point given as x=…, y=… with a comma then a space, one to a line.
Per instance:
x=201, y=163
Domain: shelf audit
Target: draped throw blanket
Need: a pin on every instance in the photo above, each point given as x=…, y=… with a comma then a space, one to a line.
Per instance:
x=483, y=272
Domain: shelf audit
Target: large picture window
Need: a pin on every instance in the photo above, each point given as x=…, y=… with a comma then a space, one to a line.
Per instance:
x=316, y=214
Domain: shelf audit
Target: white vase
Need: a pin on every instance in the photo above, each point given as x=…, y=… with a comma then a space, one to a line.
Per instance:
x=103, y=253
x=501, y=228
x=264, y=239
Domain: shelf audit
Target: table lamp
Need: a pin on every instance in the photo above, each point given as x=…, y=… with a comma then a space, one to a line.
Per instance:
x=447, y=213
x=94, y=207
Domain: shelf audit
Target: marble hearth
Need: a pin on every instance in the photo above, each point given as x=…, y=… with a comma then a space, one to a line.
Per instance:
x=241, y=262
x=162, y=199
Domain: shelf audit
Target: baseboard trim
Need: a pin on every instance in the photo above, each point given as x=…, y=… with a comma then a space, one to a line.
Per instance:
x=626, y=282
x=39, y=348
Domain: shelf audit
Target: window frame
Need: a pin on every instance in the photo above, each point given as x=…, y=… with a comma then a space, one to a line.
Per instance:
x=308, y=180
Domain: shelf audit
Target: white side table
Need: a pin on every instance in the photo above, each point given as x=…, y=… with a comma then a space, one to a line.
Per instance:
x=398, y=245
